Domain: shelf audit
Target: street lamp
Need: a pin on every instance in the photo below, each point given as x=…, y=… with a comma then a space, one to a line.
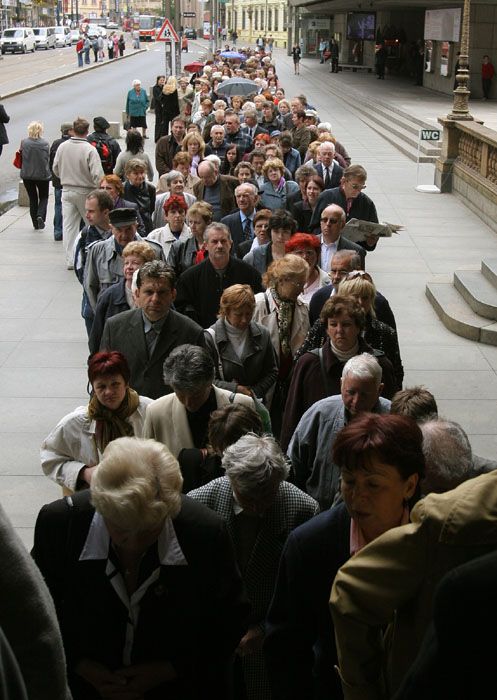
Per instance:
x=460, y=107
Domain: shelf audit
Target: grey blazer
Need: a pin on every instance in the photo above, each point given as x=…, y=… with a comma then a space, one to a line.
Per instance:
x=124, y=332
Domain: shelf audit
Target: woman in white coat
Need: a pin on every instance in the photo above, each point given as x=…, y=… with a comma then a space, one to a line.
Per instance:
x=73, y=449
x=286, y=317
x=175, y=228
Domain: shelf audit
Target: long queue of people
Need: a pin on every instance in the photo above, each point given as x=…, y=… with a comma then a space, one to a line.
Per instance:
x=248, y=449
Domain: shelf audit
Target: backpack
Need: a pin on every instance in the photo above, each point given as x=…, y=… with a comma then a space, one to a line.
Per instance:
x=104, y=152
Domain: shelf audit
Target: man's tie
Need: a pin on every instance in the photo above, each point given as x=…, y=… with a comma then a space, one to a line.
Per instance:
x=327, y=179
x=151, y=338
x=247, y=229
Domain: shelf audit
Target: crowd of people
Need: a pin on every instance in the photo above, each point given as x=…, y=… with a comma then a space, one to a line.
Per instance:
x=248, y=449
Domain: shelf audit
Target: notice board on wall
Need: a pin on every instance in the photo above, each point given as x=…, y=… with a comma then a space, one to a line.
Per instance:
x=443, y=25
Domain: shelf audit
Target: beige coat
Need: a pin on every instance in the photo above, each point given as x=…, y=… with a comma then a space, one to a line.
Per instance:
x=166, y=420
x=392, y=582
x=266, y=314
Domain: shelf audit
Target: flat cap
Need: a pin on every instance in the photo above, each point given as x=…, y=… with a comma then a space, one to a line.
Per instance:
x=123, y=217
x=101, y=123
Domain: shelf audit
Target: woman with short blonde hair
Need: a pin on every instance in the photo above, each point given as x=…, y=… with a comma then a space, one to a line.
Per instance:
x=35, y=173
x=194, y=145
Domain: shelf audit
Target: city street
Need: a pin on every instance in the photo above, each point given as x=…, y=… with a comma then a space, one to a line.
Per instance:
x=43, y=348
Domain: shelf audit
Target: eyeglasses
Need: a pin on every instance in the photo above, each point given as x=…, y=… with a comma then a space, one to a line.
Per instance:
x=328, y=220
x=356, y=187
x=338, y=272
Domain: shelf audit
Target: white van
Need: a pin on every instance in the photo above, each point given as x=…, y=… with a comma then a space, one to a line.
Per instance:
x=62, y=36
x=45, y=37
x=17, y=39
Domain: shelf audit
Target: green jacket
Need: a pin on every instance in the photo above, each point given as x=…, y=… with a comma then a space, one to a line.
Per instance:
x=137, y=103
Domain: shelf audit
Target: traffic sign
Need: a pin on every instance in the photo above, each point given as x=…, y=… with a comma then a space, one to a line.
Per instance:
x=167, y=33
x=189, y=14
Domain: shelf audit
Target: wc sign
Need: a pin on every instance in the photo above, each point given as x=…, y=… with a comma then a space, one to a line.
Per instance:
x=429, y=135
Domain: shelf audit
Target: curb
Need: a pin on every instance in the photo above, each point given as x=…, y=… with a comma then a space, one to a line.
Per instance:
x=93, y=66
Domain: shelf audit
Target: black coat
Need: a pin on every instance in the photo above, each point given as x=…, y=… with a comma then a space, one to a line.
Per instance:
x=362, y=208
x=336, y=174
x=299, y=647
x=234, y=223
x=200, y=288
x=112, y=301
x=381, y=306
x=192, y=616
x=125, y=333
x=4, y=119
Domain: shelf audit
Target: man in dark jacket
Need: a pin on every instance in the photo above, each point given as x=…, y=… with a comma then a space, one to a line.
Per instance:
x=215, y=189
x=351, y=198
x=167, y=146
x=200, y=287
x=66, y=131
x=103, y=143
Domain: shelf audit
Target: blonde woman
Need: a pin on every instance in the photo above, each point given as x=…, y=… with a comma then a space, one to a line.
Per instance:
x=194, y=145
x=35, y=173
x=166, y=107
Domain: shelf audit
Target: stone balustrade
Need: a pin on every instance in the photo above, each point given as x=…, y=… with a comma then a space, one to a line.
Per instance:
x=467, y=166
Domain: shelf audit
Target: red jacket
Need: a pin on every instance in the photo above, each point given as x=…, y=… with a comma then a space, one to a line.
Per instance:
x=487, y=71
x=79, y=46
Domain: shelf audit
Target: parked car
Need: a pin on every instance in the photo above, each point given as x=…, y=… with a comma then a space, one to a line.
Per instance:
x=45, y=37
x=17, y=39
x=63, y=36
x=190, y=33
x=95, y=31
x=75, y=34
x=112, y=25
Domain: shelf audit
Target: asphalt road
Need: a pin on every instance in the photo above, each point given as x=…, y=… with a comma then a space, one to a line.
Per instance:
x=89, y=94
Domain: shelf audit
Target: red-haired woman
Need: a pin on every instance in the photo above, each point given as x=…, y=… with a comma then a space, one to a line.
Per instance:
x=381, y=462
x=308, y=246
x=73, y=449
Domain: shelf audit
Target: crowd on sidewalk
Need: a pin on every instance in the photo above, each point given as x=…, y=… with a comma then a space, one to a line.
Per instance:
x=248, y=459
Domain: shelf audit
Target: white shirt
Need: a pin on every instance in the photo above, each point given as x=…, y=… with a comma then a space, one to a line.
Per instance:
x=328, y=250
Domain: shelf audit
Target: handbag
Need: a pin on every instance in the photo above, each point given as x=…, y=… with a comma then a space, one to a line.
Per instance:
x=17, y=162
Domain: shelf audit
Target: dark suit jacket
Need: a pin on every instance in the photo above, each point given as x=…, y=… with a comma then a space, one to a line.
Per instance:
x=292, y=199
x=234, y=223
x=362, y=208
x=381, y=306
x=165, y=150
x=125, y=333
x=227, y=193
x=192, y=615
x=336, y=174
x=199, y=288
x=299, y=647
x=112, y=301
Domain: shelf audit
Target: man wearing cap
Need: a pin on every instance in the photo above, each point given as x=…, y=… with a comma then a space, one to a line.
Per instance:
x=78, y=167
x=167, y=146
x=104, y=264
x=65, y=130
x=100, y=136
x=148, y=334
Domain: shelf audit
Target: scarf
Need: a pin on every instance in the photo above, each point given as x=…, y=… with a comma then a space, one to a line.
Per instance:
x=200, y=255
x=113, y=424
x=285, y=321
x=344, y=356
x=281, y=185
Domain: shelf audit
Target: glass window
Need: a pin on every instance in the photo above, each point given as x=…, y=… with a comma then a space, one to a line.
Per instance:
x=276, y=17
x=269, y=19
x=243, y=18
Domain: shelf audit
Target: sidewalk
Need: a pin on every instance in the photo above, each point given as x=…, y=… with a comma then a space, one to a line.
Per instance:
x=43, y=342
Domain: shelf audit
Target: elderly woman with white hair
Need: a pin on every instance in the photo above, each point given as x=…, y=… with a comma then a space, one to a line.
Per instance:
x=123, y=562
x=260, y=508
x=136, y=107
x=35, y=173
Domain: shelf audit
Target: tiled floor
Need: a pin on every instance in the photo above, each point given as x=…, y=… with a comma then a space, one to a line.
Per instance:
x=42, y=339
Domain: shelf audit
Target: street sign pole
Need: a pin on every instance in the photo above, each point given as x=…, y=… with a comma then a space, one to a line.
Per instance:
x=167, y=34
